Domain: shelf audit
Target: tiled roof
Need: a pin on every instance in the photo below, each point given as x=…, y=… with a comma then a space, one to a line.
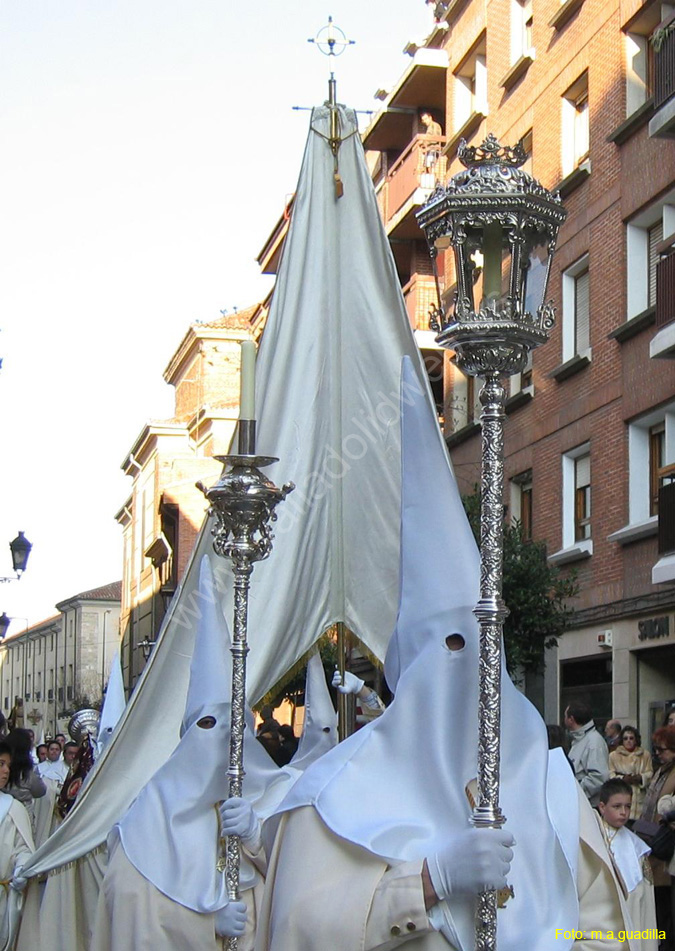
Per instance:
x=107, y=592
x=241, y=320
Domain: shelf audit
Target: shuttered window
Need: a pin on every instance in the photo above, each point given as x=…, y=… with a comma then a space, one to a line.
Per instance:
x=582, y=498
x=657, y=449
x=582, y=322
x=655, y=237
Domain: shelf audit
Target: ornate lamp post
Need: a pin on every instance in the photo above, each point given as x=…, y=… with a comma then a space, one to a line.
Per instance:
x=502, y=226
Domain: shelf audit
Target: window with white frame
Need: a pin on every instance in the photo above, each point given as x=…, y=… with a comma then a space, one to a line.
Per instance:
x=575, y=125
x=470, y=85
x=651, y=449
x=576, y=310
x=644, y=234
x=521, y=503
x=465, y=408
x=639, y=54
x=576, y=499
x=521, y=29
x=522, y=382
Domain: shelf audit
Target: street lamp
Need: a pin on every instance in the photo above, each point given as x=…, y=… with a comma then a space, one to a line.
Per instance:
x=6, y=620
x=20, y=548
x=502, y=226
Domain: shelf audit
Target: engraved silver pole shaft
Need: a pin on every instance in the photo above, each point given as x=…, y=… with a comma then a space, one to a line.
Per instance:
x=243, y=504
x=491, y=612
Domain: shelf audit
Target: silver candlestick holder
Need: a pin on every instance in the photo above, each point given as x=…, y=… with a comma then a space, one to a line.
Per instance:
x=242, y=504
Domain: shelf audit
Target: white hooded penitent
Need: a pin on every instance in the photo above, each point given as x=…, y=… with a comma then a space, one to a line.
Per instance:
x=397, y=787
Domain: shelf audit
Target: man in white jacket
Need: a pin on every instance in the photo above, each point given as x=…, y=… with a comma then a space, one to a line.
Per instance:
x=588, y=752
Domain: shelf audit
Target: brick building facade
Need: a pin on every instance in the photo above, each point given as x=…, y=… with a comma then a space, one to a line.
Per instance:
x=163, y=514
x=590, y=434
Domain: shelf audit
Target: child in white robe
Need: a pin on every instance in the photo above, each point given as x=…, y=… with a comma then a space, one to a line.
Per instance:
x=629, y=856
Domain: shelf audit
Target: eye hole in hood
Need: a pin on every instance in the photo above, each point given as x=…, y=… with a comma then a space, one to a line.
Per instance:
x=454, y=642
x=206, y=723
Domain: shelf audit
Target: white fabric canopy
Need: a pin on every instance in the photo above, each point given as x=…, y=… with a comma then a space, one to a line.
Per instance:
x=328, y=406
x=327, y=389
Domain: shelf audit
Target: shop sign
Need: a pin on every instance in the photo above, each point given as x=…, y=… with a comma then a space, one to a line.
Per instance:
x=653, y=628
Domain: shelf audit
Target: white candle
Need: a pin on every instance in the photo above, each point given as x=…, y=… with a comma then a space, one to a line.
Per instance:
x=492, y=261
x=247, y=393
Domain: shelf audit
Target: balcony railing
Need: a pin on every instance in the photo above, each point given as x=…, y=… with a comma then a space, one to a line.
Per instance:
x=667, y=517
x=420, y=165
x=665, y=290
x=420, y=296
x=664, y=62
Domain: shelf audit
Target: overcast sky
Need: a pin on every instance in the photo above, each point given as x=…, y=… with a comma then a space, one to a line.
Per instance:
x=148, y=147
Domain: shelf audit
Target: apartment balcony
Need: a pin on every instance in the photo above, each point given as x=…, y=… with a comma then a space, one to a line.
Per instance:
x=409, y=182
x=419, y=295
x=662, y=125
x=662, y=344
x=422, y=86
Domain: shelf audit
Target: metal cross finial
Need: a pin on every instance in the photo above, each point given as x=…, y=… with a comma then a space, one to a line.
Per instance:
x=331, y=40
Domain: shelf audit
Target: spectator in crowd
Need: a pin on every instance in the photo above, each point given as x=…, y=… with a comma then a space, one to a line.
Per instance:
x=588, y=750
x=70, y=751
x=662, y=785
x=54, y=769
x=60, y=737
x=432, y=149
x=632, y=764
x=612, y=734
x=289, y=743
x=24, y=783
x=41, y=752
x=268, y=722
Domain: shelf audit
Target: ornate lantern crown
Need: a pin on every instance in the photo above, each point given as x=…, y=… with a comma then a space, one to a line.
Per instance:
x=502, y=225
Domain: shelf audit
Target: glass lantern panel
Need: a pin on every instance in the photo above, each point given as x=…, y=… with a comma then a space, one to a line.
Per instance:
x=534, y=276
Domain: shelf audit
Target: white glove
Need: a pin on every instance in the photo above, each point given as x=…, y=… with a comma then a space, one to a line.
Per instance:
x=18, y=881
x=231, y=920
x=238, y=818
x=471, y=861
x=352, y=683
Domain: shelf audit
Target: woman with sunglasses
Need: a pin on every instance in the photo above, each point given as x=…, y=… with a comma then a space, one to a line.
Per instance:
x=630, y=762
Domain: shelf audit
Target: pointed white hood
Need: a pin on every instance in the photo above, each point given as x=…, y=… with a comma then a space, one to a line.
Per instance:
x=319, y=731
x=398, y=786
x=170, y=833
x=113, y=705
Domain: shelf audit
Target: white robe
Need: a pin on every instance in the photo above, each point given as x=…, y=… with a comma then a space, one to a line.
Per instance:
x=55, y=771
x=16, y=847
x=133, y=915
x=324, y=892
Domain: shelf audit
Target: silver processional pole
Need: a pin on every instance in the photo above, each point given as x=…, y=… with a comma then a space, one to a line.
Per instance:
x=502, y=226
x=243, y=504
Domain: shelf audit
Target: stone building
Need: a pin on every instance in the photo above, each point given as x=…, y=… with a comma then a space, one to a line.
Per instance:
x=588, y=87
x=54, y=668
x=163, y=514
